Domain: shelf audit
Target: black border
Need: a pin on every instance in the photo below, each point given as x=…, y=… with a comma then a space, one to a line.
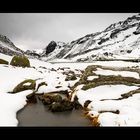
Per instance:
x=54, y=6
x=71, y=6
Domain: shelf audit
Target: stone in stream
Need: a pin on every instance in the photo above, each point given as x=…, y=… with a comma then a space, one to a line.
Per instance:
x=64, y=105
x=76, y=103
x=31, y=98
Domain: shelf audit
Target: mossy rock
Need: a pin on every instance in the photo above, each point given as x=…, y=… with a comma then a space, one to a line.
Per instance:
x=31, y=98
x=67, y=104
x=24, y=86
x=20, y=61
x=76, y=103
x=56, y=107
x=70, y=77
x=2, y=61
x=49, y=99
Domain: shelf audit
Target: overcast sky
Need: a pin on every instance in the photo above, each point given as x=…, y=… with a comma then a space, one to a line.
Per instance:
x=36, y=30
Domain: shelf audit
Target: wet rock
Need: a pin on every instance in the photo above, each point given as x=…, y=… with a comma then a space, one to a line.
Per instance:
x=56, y=107
x=40, y=97
x=49, y=99
x=76, y=103
x=31, y=98
x=56, y=98
x=67, y=104
x=28, y=84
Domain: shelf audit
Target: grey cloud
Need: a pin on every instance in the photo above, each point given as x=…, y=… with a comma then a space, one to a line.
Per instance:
x=36, y=30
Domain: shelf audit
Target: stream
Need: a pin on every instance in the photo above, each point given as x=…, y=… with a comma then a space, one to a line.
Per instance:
x=37, y=114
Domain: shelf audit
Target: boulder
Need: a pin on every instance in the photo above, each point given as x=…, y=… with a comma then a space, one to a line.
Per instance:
x=20, y=61
x=56, y=107
x=51, y=47
x=49, y=99
x=67, y=104
x=28, y=84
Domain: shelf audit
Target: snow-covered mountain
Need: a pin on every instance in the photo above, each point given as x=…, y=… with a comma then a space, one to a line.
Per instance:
x=120, y=40
x=7, y=47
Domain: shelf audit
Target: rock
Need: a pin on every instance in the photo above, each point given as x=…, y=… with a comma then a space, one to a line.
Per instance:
x=76, y=103
x=49, y=99
x=51, y=47
x=56, y=107
x=70, y=77
x=31, y=98
x=2, y=61
x=56, y=98
x=67, y=104
x=87, y=102
x=58, y=86
x=20, y=61
x=28, y=84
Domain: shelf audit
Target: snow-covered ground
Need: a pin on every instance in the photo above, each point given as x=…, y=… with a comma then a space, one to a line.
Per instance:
x=129, y=108
x=122, y=73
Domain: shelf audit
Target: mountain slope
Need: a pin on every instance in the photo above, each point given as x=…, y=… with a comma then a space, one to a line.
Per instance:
x=8, y=48
x=118, y=41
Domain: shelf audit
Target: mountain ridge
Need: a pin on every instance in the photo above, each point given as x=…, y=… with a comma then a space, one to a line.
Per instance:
x=120, y=40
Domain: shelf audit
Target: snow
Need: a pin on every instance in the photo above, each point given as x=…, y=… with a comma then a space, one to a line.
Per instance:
x=9, y=105
x=103, y=92
x=12, y=76
x=129, y=108
x=27, y=84
x=5, y=57
x=116, y=73
x=92, y=77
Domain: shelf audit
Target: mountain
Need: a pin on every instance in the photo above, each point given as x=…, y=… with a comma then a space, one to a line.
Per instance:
x=120, y=40
x=7, y=47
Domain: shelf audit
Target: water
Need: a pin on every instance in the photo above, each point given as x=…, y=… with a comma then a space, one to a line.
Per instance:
x=38, y=115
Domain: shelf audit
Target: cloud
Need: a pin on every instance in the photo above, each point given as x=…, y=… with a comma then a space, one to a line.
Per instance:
x=36, y=30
